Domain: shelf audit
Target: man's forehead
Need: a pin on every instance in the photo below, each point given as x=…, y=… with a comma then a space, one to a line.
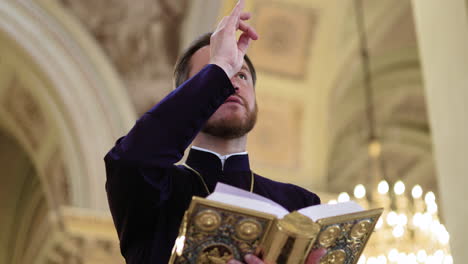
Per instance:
x=205, y=52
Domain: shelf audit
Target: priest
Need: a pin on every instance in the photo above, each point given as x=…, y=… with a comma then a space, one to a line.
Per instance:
x=213, y=108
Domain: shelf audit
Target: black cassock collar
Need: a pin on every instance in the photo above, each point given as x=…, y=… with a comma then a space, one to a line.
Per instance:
x=236, y=169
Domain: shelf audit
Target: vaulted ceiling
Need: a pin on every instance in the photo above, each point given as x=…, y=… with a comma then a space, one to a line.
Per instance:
x=312, y=128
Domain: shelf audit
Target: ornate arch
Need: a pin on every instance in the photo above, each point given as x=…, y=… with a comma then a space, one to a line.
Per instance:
x=65, y=106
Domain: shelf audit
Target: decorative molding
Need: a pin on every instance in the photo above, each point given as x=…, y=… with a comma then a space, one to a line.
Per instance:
x=27, y=113
x=90, y=237
x=275, y=142
x=286, y=38
x=142, y=41
x=56, y=175
x=87, y=106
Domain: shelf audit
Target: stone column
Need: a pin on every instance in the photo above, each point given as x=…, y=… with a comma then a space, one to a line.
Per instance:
x=442, y=29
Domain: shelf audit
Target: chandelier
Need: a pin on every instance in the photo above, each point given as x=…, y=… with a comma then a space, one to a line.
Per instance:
x=409, y=231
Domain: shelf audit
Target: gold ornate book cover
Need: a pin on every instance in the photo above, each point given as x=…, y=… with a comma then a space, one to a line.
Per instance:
x=213, y=232
x=345, y=236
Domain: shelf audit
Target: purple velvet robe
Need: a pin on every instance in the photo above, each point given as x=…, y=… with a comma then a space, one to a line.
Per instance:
x=148, y=194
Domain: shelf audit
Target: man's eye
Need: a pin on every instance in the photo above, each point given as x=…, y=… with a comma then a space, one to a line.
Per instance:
x=242, y=76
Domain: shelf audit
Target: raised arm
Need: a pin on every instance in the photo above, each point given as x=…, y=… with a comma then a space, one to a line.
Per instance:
x=160, y=137
x=144, y=197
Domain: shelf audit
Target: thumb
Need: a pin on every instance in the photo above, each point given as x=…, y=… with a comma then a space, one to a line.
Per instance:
x=315, y=255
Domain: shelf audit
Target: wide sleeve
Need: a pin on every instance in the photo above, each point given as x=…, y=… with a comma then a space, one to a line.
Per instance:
x=140, y=167
x=160, y=136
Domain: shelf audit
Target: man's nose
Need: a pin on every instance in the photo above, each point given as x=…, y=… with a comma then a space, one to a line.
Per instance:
x=235, y=84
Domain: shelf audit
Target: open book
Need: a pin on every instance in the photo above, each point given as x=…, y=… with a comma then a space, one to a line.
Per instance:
x=232, y=222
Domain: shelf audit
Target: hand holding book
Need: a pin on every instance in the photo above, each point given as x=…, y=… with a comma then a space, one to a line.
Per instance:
x=313, y=258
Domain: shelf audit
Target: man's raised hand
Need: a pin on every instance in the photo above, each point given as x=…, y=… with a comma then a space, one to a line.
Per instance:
x=226, y=50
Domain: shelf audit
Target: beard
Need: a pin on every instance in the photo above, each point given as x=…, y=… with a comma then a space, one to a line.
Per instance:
x=231, y=128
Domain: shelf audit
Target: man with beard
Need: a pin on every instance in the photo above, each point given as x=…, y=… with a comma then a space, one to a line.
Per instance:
x=213, y=107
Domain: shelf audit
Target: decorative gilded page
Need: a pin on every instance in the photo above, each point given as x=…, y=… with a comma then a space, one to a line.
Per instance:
x=213, y=233
x=345, y=236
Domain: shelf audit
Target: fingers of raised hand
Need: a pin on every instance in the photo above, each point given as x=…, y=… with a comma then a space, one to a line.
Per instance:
x=236, y=12
x=243, y=43
x=246, y=28
x=245, y=16
x=234, y=26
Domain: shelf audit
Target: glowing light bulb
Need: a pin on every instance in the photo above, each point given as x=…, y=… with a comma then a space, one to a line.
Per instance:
x=402, y=219
x=426, y=220
x=439, y=255
x=429, y=198
x=416, y=192
x=431, y=260
x=383, y=187
x=422, y=255
x=343, y=197
x=444, y=236
x=359, y=191
x=432, y=208
x=392, y=218
x=448, y=260
x=401, y=258
x=399, y=188
x=372, y=260
x=393, y=255
x=382, y=259
x=398, y=231
x=417, y=219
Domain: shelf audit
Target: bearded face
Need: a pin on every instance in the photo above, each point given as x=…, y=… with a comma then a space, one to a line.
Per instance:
x=238, y=114
x=232, y=125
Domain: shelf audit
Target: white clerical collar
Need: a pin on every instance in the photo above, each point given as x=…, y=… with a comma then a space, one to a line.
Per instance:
x=223, y=158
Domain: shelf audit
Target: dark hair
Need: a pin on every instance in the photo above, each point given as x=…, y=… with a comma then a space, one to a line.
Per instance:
x=182, y=68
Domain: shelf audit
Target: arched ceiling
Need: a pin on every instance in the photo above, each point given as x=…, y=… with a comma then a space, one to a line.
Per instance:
x=311, y=122
x=315, y=131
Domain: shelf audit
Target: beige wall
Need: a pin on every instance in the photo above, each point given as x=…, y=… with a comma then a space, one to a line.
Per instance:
x=443, y=39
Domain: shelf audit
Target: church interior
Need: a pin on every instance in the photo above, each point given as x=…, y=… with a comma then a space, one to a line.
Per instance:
x=358, y=99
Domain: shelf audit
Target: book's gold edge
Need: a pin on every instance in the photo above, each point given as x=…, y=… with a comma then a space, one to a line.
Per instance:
x=352, y=216
x=376, y=213
x=358, y=256
x=373, y=213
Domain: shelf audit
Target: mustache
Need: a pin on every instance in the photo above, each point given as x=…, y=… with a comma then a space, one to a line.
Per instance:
x=241, y=99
